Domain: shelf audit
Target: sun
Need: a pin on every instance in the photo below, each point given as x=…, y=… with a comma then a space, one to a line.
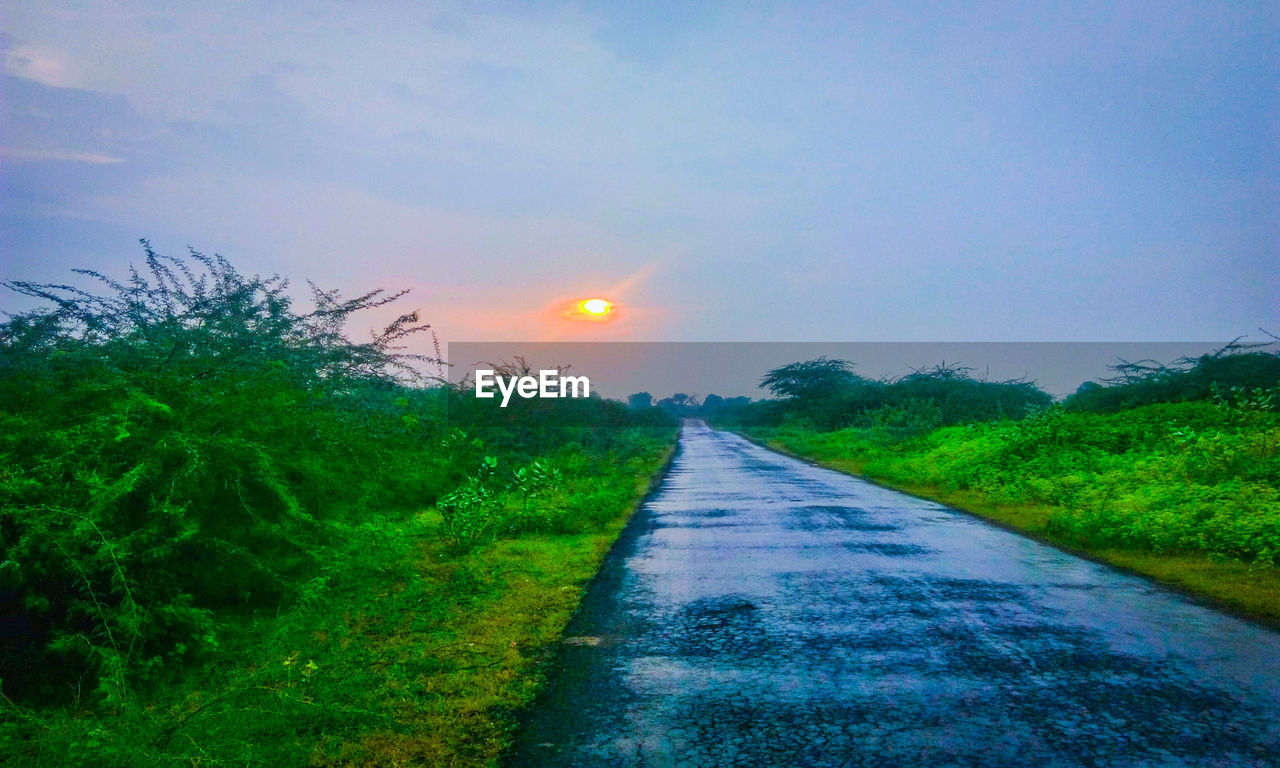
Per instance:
x=596, y=307
x=588, y=310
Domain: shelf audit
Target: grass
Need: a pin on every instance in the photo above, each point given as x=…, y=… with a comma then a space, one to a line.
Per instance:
x=408, y=651
x=939, y=467
x=452, y=689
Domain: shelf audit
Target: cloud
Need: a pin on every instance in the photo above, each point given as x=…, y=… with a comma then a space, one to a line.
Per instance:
x=33, y=63
x=42, y=155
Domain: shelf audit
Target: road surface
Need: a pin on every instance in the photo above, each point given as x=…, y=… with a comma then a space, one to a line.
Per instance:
x=760, y=611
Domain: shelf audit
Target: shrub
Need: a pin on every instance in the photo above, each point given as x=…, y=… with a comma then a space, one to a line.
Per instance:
x=1190, y=476
x=184, y=441
x=1237, y=371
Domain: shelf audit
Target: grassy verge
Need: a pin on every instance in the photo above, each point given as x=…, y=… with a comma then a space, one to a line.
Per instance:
x=1120, y=506
x=454, y=688
x=406, y=651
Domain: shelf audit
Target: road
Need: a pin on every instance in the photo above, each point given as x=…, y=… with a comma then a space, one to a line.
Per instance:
x=759, y=611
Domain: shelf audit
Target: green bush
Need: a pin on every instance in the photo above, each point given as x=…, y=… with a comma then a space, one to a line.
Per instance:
x=183, y=442
x=1237, y=371
x=1189, y=477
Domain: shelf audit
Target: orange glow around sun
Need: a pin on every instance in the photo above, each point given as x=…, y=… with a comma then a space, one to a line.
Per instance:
x=584, y=312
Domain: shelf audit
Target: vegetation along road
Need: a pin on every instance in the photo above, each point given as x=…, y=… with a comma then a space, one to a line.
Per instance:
x=762, y=611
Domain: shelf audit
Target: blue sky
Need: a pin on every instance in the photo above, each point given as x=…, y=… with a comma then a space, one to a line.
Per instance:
x=725, y=171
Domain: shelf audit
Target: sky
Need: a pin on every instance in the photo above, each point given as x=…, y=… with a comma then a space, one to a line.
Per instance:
x=736, y=171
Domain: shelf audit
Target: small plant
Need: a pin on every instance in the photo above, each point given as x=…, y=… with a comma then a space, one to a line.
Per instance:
x=482, y=505
x=529, y=480
x=471, y=510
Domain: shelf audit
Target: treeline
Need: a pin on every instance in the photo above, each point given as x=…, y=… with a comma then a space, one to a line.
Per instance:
x=1235, y=373
x=828, y=394
x=189, y=445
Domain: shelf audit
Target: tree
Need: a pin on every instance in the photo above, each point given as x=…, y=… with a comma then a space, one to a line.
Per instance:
x=1239, y=367
x=679, y=404
x=639, y=401
x=810, y=380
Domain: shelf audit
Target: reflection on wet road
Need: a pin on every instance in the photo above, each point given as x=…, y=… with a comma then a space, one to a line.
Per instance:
x=760, y=611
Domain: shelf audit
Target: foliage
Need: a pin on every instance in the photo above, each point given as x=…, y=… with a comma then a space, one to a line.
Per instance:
x=828, y=395
x=640, y=401
x=183, y=441
x=197, y=479
x=912, y=417
x=1236, y=368
x=403, y=650
x=810, y=379
x=960, y=398
x=1173, y=477
x=188, y=444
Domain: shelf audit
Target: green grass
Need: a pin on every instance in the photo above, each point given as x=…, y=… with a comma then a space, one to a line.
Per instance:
x=407, y=651
x=1184, y=493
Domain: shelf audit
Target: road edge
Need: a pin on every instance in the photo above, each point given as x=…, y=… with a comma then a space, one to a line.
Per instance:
x=598, y=588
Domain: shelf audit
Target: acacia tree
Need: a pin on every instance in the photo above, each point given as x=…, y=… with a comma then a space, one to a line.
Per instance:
x=825, y=391
x=811, y=379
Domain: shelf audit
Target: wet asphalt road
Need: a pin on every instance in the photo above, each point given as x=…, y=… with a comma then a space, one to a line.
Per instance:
x=763, y=612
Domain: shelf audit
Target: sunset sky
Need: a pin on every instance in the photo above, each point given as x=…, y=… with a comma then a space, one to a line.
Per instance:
x=720, y=171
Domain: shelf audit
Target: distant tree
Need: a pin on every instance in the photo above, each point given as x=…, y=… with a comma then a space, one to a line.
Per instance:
x=811, y=379
x=733, y=411
x=829, y=395
x=640, y=400
x=960, y=398
x=679, y=404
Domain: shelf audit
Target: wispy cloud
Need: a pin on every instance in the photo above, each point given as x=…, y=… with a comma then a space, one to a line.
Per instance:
x=45, y=155
x=36, y=64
